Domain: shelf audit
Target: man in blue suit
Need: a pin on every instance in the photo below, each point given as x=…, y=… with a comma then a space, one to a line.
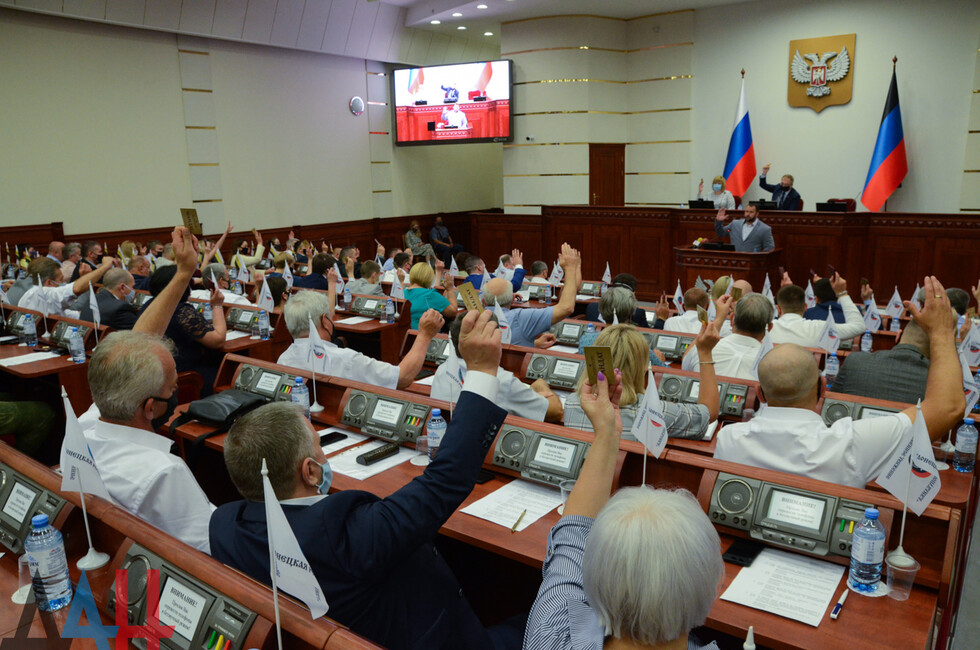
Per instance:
x=374, y=558
x=748, y=235
x=475, y=268
x=783, y=195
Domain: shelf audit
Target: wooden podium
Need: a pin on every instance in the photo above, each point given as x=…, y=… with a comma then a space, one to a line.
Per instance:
x=692, y=262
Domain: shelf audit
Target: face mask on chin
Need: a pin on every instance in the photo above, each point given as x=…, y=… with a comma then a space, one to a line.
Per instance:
x=156, y=423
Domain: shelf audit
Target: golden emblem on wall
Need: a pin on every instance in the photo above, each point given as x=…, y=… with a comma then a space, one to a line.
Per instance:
x=820, y=71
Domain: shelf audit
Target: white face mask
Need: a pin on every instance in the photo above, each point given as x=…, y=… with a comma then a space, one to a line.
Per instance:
x=716, y=187
x=130, y=297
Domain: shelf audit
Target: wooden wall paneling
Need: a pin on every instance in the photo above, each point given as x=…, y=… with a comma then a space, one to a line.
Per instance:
x=650, y=257
x=956, y=257
x=37, y=235
x=900, y=261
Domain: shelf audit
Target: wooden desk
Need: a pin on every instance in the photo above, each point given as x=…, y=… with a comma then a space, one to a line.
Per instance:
x=376, y=339
x=51, y=374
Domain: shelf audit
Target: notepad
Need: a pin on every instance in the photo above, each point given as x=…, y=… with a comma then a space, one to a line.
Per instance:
x=582, y=297
x=231, y=335
x=505, y=505
x=346, y=462
x=28, y=358
x=354, y=320
x=427, y=381
x=786, y=584
x=568, y=349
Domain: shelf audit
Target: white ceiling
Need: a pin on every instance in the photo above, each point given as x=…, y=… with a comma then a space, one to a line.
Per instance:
x=421, y=12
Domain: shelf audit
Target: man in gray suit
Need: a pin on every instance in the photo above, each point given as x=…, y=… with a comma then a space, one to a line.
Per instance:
x=748, y=235
x=898, y=374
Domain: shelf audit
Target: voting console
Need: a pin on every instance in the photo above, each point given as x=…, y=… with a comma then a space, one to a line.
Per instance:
x=21, y=499
x=372, y=307
x=558, y=372
x=274, y=385
x=542, y=457
x=393, y=419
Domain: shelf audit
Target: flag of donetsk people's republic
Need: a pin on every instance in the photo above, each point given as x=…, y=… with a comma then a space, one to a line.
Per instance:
x=888, y=163
x=740, y=163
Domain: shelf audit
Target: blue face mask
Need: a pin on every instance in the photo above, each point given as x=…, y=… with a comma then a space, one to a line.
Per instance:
x=326, y=477
x=716, y=187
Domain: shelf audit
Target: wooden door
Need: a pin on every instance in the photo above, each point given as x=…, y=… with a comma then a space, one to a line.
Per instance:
x=607, y=174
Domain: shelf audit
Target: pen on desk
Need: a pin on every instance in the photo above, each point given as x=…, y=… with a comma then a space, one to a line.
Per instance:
x=517, y=523
x=839, y=605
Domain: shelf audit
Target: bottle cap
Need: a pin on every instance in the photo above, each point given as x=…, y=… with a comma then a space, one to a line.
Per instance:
x=871, y=513
x=39, y=521
x=437, y=413
x=968, y=421
x=298, y=381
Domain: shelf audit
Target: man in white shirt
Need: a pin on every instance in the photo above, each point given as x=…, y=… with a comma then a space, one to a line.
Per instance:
x=535, y=401
x=220, y=274
x=50, y=295
x=788, y=435
x=401, y=262
x=455, y=119
x=791, y=327
x=538, y=274
x=735, y=355
x=688, y=321
x=134, y=385
x=344, y=362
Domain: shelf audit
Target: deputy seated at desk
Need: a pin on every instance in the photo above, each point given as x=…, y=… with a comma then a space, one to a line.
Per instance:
x=115, y=301
x=627, y=282
x=50, y=295
x=735, y=356
x=219, y=272
x=792, y=327
x=311, y=306
x=317, y=278
x=369, y=284
x=374, y=558
x=535, y=401
x=789, y=436
x=639, y=570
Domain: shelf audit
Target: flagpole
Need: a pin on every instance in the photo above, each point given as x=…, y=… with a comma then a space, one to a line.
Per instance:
x=272, y=564
x=315, y=406
x=92, y=559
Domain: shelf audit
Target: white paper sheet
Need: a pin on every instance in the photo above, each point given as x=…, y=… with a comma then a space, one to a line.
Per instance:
x=7, y=339
x=231, y=335
x=712, y=428
x=568, y=349
x=346, y=462
x=351, y=439
x=28, y=358
x=354, y=320
x=505, y=505
x=579, y=296
x=427, y=381
x=788, y=585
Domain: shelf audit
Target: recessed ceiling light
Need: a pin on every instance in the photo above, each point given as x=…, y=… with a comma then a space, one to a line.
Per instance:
x=488, y=33
x=481, y=6
x=461, y=27
x=456, y=14
x=435, y=22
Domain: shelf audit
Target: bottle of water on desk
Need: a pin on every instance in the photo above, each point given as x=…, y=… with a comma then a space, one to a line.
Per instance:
x=435, y=430
x=30, y=330
x=867, y=553
x=76, y=346
x=348, y=298
x=264, y=325
x=603, y=289
x=831, y=369
x=866, y=341
x=301, y=395
x=208, y=312
x=589, y=337
x=548, y=295
x=965, y=455
x=239, y=291
x=896, y=325
x=389, y=311
x=48, y=565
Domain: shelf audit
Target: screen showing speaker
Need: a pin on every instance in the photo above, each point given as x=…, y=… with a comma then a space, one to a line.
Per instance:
x=453, y=104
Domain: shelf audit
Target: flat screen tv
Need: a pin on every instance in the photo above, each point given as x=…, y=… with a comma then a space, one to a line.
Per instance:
x=453, y=104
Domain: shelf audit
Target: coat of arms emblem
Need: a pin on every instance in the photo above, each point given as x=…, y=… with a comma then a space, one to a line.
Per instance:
x=820, y=71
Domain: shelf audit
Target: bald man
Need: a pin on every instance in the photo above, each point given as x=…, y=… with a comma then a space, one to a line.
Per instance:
x=116, y=308
x=790, y=436
x=56, y=251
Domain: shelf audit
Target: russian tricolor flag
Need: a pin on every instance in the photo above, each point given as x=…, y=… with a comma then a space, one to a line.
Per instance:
x=740, y=163
x=888, y=163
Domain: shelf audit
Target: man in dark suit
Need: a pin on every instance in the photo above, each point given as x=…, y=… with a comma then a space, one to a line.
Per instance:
x=374, y=558
x=898, y=374
x=317, y=279
x=139, y=267
x=783, y=195
x=115, y=309
x=748, y=235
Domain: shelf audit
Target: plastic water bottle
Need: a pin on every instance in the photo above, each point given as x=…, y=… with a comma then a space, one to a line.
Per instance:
x=30, y=330
x=896, y=325
x=603, y=289
x=965, y=455
x=301, y=395
x=831, y=369
x=76, y=346
x=866, y=341
x=207, y=312
x=435, y=430
x=867, y=553
x=264, y=325
x=348, y=299
x=589, y=337
x=48, y=565
x=548, y=295
x=390, y=311
x=239, y=291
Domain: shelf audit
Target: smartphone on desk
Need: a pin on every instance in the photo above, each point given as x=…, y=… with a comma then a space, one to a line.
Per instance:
x=332, y=437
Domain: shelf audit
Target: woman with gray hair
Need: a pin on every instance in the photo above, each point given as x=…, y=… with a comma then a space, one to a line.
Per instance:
x=641, y=569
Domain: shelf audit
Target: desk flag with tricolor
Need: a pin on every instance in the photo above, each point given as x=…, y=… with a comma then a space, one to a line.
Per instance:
x=830, y=339
x=872, y=317
x=340, y=279
x=911, y=474
x=454, y=372
x=970, y=346
x=679, y=298
x=78, y=469
x=288, y=566
x=557, y=275
x=971, y=391
x=650, y=426
x=502, y=324
x=242, y=271
x=895, y=307
x=740, y=163
x=809, y=295
x=607, y=275
x=915, y=296
x=93, y=304
x=317, y=350
x=287, y=275
x=483, y=281
x=397, y=290
x=265, y=300
x=888, y=163
x=453, y=268
x=767, y=292
x=500, y=271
